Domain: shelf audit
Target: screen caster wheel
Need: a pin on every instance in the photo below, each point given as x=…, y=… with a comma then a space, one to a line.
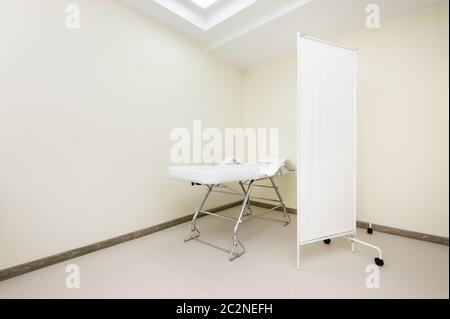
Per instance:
x=327, y=241
x=370, y=230
x=379, y=262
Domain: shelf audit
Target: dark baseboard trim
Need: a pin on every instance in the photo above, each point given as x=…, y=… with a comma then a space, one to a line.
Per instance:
x=64, y=256
x=380, y=228
x=77, y=252
x=405, y=233
x=268, y=205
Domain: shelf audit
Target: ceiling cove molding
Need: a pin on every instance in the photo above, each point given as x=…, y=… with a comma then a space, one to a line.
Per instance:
x=260, y=22
x=225, y=9
x=205, y=18
x=238, y=31
x=205, y=4
x=187, y=10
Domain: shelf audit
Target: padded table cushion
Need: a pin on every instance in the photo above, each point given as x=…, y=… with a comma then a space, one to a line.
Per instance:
x=218, y=174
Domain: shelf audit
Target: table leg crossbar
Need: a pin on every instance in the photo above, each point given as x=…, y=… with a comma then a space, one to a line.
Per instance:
x=237, y=248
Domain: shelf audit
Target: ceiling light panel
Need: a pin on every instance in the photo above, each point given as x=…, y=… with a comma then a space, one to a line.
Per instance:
x=204, y=4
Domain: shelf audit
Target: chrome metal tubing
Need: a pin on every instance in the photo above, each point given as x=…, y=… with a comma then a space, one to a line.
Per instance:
x=287, y=218
x=228, y=193
x=264, y=198
x=263, y=186
x=193, y=228
x=217, y=215
x=250, y=212
x=236, y=241
x=193, y=233
x=261, y=214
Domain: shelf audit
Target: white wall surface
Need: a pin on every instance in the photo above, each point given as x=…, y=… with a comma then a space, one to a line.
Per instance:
x=403, y=112
x=270, y=100
x=85, y=118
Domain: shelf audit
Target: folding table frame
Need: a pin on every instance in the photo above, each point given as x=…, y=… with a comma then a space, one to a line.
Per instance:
x=246, y=186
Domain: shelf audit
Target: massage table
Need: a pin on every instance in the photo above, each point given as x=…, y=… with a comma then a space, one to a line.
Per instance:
x=248, y=176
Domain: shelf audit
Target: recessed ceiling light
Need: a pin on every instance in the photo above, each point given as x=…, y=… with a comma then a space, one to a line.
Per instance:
x=204, y=4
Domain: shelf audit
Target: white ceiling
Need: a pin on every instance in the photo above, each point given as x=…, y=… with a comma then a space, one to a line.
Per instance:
x=203, y=14
x=246, y=33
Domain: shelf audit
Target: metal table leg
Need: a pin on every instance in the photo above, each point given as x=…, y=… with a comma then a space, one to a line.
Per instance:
x=286, y=217
x=193, y=228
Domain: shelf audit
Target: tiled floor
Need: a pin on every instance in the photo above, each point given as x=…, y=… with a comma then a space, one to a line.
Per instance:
x=162, y=266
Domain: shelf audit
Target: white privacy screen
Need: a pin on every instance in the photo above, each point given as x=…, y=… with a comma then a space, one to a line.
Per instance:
x=326, y=119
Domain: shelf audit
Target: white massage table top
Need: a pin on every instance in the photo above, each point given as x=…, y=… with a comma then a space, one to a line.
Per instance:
x=227, y=173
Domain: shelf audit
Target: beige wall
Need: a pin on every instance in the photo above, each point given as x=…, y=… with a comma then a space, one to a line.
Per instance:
x=403, y=117
x=85, y=118
x=270, y=100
